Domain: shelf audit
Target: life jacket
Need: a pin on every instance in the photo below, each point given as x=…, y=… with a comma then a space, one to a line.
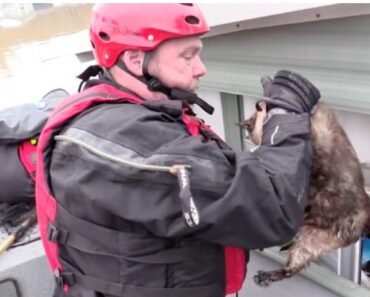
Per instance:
x=47, y=205
x=19, y=129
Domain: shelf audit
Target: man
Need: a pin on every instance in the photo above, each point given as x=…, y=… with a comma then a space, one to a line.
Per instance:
x=135, y=196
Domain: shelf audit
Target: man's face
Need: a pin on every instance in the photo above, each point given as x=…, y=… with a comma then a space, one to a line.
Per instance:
x=177, y=64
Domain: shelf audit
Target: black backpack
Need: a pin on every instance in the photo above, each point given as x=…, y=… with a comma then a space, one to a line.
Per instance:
x=19, y=128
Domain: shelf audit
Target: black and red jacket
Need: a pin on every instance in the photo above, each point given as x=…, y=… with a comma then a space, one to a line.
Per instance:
x=110, y=213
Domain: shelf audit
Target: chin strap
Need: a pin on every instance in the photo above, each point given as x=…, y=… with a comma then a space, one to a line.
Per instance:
x=178, y=94
x=156, y=85
x=152, y=83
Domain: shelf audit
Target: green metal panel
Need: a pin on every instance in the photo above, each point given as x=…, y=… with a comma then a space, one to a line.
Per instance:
x=334, y=54
x=233, y=113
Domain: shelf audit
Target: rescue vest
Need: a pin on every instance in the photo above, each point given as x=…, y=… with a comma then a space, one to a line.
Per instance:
x=47, y=206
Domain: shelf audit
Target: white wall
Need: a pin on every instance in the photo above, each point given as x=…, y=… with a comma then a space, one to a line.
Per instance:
x=249, y=106
x=216, y=121
x=357, y=127
x=249, y=109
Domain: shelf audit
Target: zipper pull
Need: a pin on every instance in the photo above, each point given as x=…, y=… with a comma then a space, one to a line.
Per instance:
x=189, y=209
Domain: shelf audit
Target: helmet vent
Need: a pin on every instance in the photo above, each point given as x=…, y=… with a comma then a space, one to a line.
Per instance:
x=104, y=36
x=190, y=19
x=187, y=4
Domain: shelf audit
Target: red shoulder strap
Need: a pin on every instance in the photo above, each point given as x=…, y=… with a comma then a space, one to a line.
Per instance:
x=28, y=157
x=76, y=104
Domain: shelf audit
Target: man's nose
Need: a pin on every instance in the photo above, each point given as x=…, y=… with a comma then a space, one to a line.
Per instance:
x=199, y=68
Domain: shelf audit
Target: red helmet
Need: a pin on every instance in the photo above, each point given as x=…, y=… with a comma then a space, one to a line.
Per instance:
x=117, y=27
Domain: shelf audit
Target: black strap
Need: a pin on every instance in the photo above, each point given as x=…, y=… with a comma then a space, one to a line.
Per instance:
x=90, y=71
x=170, y=256
x=153, y=84
x=116, y=289
x=191, y=98
x=123, y=66
x=147, y=57
x=103, y=237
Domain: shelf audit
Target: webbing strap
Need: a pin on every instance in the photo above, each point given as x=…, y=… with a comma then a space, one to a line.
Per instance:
x=100, y=243
x=170, y=256
x=116, y=289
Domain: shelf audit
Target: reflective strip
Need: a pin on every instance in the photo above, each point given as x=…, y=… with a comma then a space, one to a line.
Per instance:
x=207, y=167
x=274, y=111
x=254, y=148
x=171, y=169
x=274, y=134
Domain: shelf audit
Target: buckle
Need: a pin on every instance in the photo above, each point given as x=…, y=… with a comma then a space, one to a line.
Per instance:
x=59, y=278
x=52, y=233
x=63, y=278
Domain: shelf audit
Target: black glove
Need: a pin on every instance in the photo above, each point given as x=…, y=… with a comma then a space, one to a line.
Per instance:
x=290, y=91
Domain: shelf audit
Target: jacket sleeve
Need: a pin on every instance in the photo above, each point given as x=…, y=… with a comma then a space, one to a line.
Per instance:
x=247, y=199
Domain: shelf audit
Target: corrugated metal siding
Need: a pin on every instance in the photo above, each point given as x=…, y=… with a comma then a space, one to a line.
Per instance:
x=334, y=54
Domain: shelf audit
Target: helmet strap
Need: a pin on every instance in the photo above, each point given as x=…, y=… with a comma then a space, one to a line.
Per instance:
x=147, y=57
x=155, y=85
x=123, y=67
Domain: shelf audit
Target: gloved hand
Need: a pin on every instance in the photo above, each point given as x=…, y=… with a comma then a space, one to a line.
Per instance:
x=290, y=91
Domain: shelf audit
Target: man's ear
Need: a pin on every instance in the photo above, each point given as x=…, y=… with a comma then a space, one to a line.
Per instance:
x=134, y=59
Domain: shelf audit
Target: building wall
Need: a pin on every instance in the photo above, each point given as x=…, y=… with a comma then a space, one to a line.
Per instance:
x=216, y=120
x=357, y=128
x=215, y=12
